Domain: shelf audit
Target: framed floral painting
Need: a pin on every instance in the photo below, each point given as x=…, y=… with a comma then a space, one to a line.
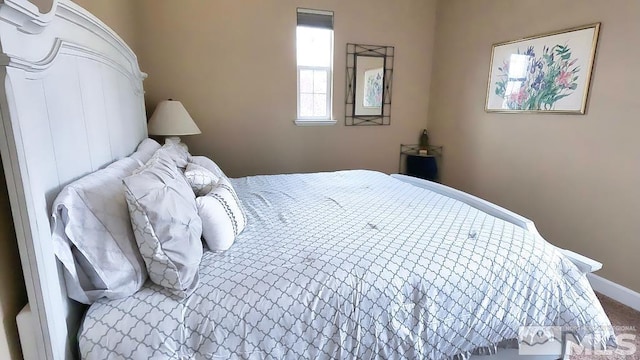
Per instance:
x=547, y=73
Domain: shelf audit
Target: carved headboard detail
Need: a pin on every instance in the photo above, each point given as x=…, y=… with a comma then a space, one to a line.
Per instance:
x=71, y=103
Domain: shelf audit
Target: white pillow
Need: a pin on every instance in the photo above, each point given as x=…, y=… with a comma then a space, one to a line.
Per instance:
x=177, y=151
x=145, y=151
x=166, y=224
x=222, y=216
x=202, y=181
x=93, y=238
x=208, y=164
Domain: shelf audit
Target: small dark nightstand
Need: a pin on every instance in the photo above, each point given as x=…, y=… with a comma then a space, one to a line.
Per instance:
x=424, y=166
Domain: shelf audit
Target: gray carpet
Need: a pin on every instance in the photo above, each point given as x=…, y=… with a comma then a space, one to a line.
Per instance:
x=627, y=324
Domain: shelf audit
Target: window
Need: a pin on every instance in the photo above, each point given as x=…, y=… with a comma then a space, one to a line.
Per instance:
x=314, y=48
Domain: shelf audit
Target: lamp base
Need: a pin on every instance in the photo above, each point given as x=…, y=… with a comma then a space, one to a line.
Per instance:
x=172, y=140
x=175, y=141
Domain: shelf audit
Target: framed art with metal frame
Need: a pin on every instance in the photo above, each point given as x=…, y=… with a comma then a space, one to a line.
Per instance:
x=547, y=73
x=369, y=78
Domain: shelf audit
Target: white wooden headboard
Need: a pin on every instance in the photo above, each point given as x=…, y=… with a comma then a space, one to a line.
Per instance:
x=71, y=102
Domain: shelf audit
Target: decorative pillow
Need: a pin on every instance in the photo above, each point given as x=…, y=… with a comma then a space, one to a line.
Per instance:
x=166, y=224
x=208, y=164
x=222, y=216
x=93, y=238
x=145, y=150
x=202, y=181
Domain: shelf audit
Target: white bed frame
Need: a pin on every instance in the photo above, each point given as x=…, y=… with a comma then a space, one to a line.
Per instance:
x=71, y=102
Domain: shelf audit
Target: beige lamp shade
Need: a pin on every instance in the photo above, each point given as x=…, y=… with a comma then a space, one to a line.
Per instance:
x=171, y=119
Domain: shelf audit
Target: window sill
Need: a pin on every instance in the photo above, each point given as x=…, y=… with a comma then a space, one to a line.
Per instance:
x=300, y=122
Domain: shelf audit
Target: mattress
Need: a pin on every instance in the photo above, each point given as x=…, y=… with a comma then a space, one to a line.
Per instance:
x=353, y=265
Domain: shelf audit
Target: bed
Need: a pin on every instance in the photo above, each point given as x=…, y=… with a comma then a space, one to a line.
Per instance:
x=352, y=264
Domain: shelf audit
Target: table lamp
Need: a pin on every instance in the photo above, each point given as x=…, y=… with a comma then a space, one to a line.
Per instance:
x=171, y=119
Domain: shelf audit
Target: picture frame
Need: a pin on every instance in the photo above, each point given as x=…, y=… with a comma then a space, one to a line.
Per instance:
x=365, y=61
x=548, y=73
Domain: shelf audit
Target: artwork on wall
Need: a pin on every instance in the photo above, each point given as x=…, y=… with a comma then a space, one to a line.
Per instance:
x=369, y=79
x=547, y=73
x=373, y=88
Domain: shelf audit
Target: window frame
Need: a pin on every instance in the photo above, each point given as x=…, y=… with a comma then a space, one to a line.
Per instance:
x=328, y=93
x=328, y=118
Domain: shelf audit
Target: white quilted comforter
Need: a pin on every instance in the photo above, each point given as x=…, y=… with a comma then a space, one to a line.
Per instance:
x=352, y=265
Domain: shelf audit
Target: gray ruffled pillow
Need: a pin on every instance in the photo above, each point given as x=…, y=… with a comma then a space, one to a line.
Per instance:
x=166, y=224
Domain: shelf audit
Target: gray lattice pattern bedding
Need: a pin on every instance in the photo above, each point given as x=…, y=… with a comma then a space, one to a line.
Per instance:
x=348, y=265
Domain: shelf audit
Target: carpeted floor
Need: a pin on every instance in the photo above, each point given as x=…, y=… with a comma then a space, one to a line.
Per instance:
x=626, y=322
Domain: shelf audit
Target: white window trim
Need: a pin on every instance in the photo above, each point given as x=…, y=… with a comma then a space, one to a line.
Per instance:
x=307, y=122
x=317, y=120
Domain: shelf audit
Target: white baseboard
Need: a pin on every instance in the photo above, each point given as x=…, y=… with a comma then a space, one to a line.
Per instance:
x=615, y=291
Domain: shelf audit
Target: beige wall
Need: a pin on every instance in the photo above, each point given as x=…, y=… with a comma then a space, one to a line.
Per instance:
x=232, y=63
x=577, y=177
x=44, y=6
x=120, y=15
